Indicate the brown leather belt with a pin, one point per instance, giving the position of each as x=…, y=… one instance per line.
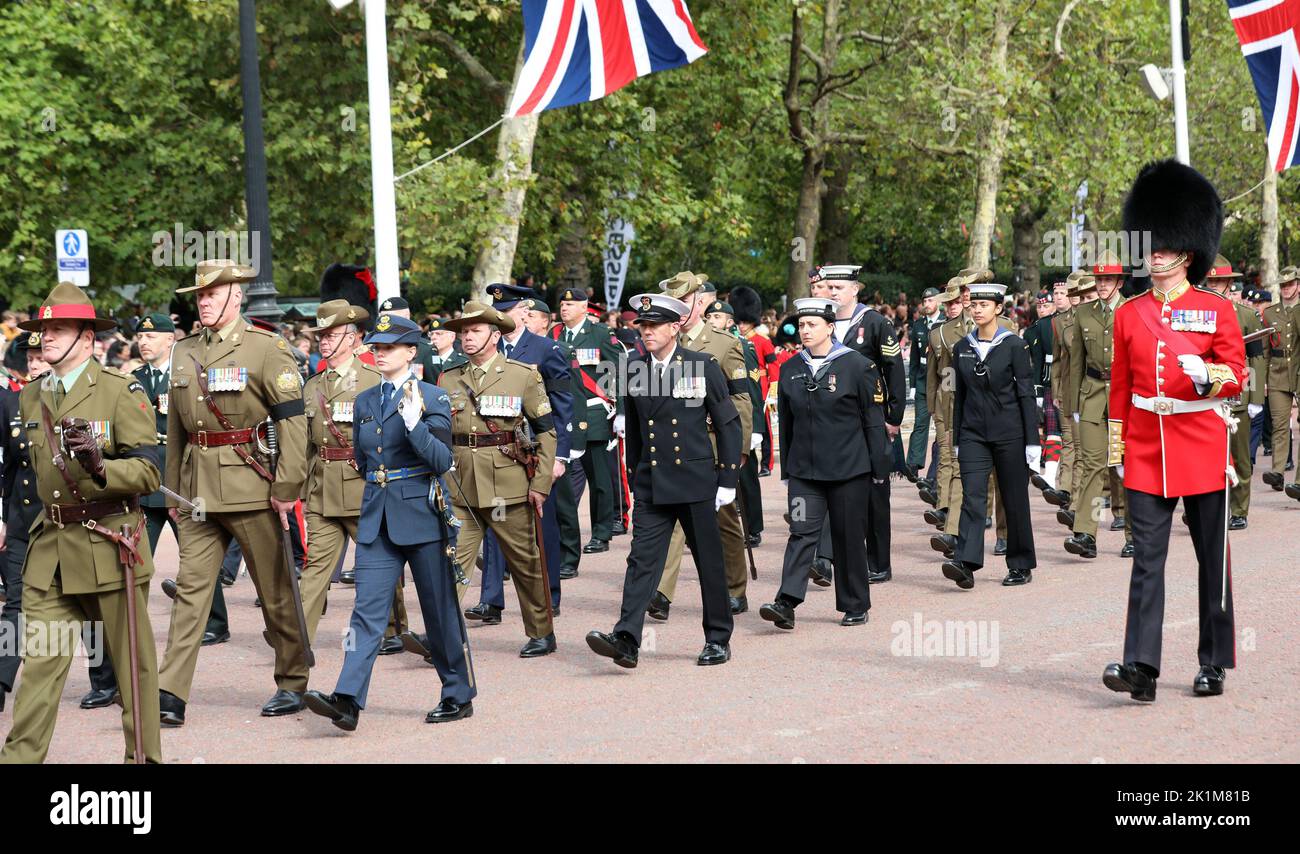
x=482, y=440
x=214, y=438
x=1098, y=375
x=337, y=454
x=70, y=514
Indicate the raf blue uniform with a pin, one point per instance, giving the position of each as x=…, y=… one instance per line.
x=397, y=526
x=553, y=365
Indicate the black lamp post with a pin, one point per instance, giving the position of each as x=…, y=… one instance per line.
x=261, y=293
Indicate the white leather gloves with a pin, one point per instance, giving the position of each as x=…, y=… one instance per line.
x=620, y=425
x=755, y=441
x=1194, y=367
x=411, y=406
x=1254, y=409
x=725, y=497
x=1033, y=456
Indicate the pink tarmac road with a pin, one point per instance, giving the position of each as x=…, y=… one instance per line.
x=938, y=674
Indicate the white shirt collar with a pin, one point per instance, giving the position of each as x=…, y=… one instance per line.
x=667, y=359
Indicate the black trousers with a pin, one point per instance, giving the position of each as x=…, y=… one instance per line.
x=595, y=468
x=834, y=506
x=875, y=507
x=652, y=528
x=976, y=458
x=566, y=516
x=11, y=566
x=1151, y=516
x=751, y=494
x=622, y=500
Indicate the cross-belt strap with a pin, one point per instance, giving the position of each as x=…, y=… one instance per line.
x=344, y=444
x=201, y=375
x=128, y=547
x=56, y=448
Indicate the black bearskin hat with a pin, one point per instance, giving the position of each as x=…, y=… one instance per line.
x=746, y=303
x=786, y=332
x=1181, y=211
x=350, y=282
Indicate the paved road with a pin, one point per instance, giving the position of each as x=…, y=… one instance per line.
x=1027, y=688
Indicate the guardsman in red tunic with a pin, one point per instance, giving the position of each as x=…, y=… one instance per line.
x=1178, y=357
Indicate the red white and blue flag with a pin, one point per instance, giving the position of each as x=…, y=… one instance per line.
x=581, y=50
x=1268, y=31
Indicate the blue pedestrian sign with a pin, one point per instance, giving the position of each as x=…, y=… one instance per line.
x=73, y=252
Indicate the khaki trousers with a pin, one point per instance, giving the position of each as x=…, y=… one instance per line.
x=513, y=526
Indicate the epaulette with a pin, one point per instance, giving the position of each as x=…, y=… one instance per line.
x=1206, y=290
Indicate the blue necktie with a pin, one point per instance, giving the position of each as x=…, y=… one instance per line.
x=386, y=396
x=509, y=348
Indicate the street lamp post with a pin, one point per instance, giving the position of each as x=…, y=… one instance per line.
x=261, y=293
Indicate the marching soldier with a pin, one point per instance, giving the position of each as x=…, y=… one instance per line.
x=725, y=349
x=1178, y=353
x=938, y=400
x=680, y=396
x=722, y=317
x=94, y=452
x=829, y=396
x=1222, y=280
x=232, y=383
x=1064, y=494
x=928, y=317
x=598, y=355
x=499, y=488
x=1039, y=339
x=445, y=355
x=1089, y=367
x=1283, y=367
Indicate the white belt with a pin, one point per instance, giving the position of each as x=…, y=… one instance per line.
x=1175, y=406
x=1048, y=357
x=922, y=360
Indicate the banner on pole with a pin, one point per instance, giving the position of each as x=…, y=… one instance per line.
x=619, y=235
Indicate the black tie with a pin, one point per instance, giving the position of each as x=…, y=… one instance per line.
x=509, y=348
x=386, y=393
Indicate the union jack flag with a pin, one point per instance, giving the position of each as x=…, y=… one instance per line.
x=581, y=50
x=1267, y=31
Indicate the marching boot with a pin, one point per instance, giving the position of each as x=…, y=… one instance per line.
x=738, y=605
x=879, y=576
x=1000, y=546
x=955, y=570
x=390, y=646
x=1066, y=518
x=537, y=647
x=339, y=708
x=489, y=615
x=1132, y=679
x=1273, y=479
x=1209, y=681
x=945, y=543
x=1127, y=551
x=937, y=518
x=171, y=709
x=1083, y=545
x=1293, y=490
x=714, y=653
x=617, y=645
x=659, y=607
x=1016, y=577
x=283, y=703
x=780, y=612
x=821, y=572
x=1237, y=523
x=449, y=711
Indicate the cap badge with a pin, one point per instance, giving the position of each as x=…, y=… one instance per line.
x=47, y=312
x=147, y=324
x=645, y=303
x=384, y=324
x=388, y=305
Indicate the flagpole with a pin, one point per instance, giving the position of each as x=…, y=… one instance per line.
x=1181, y=148
x=381, y=152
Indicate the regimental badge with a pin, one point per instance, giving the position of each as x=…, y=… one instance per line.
x=587, y=355
x=646, y=302
x=545, y=407
x=47, y=312
x=227, y=379
x=387, y=306
x=162, y=403
x=286, y=380
x=738, y=374
x=384, y=323
x=692, y=388
x=568, y=295
x=279, y=342
x=500, y=405
x=342, y=411
x=1193, y=320
x=147, y=323
x=830, y=383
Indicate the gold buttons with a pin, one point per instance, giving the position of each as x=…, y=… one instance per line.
x=25, y=501
x=652, y=449
x=674, y=420
x=654, y=462
x=652, y=435
x=679, y=462
x=26, y=482
x=379, y=450
x=200, y=423
x=675, y=448
x=674, y=435
x=56, y=493
x=651, y=422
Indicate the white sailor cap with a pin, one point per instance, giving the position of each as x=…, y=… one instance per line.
x=988, y=290
x=659, y=308
x=816, y=307
x=826, y=272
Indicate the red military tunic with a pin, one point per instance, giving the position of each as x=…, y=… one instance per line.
x=1179, y=453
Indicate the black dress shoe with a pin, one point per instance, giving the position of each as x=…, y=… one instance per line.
x=348, y=576
x=659, y=607
x=416, y=643
x=449, y=711
x=879, y=576
x=619, y=529
x=1040, y=482
x=488, y=615
x=1293, y=491
x=1186, y=521
x=1059, y=497
x=714, y=653
x=956, y=570
x=928, y=484
x=1016, y=577
x=213, y=638
x=555, y=610
x=537, y=647
x=1066, y=518
x=930, y=497
x=937, y=518
x=169, y=588
x=778, y=612
x=567, y=572
x=1083, y=545
x=595, y=546
x=1274, y=479
x=390, y=646
x=1209, y=681
x=339, y=708
x=616, y=646
x=765, y=472
x=99, y=698
x=988, y=522
x=945, y=543
x=1130, y=679
x=1117, y=524
x=282, y=702
x=822, y=572
x=171, y=709
x=1237, y=523
x=737, y=604
x=1127, y=551
x=1000, y=546
x=227, y=580
x=911, y=473
x=753, y=541
x=854, y=618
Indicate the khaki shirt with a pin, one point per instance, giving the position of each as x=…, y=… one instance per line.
x=1062, y=358
x=1091, y=347
x=333, y=487
x=123, y=420
x=729, y=353
x=251, y=373
x=1257, y=367
x=1282, y=349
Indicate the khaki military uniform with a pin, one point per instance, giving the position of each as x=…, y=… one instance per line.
x=332, y=491
x=72, y=574
x=727, y=350
x=251, y=377
x=1089, y=389
x=1253, y=392
x=1063, y=343
x=1282, y=368
x=493, y=488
